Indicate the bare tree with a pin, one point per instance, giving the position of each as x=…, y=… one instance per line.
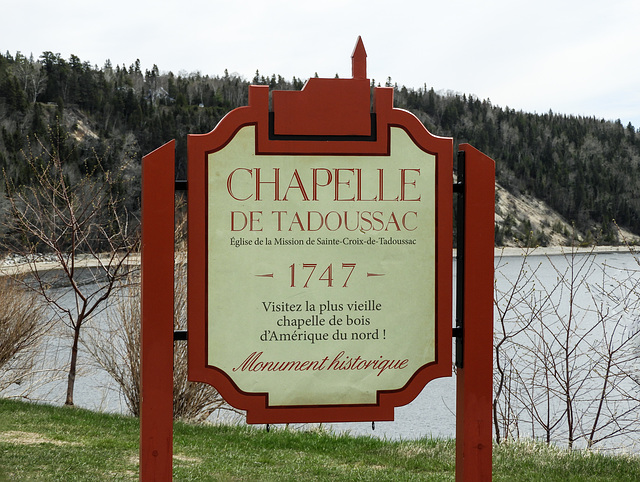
x=614, y=355
x=32, y=75
x=22, y=326
x=116, y=348
x=507, y=303
x=82, y=228
x=567, y=346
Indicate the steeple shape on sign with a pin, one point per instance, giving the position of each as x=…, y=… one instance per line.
x=359, y=61
x=327, y=107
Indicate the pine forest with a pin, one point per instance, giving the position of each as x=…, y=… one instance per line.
x=587, y=170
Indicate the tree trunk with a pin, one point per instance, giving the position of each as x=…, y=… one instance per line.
x=72, y=366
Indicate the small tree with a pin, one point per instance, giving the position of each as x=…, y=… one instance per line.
x=566, y=351
x=31, y=74
x=22, y=326
x=116, y=348
x=79, y=221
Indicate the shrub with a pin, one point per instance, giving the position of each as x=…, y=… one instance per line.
x=21, y=329
x=116, y=348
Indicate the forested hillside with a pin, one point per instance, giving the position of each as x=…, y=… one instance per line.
x=586, y=169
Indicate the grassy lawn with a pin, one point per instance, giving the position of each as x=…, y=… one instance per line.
x=40, y=442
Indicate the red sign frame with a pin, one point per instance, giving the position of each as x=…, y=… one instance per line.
x=328, y=117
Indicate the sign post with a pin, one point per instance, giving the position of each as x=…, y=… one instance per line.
x=320, y=266
x=156, y=333
x=474, y=391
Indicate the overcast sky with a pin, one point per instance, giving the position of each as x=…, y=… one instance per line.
x=577, y=57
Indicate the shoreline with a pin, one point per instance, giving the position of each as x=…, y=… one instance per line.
x=559, y=250
x=13, y=268
x=18, y=267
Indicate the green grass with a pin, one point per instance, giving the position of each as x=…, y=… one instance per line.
x=39, y=442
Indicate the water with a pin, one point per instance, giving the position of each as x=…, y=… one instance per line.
x=580, y=314
x=609, y=276
x=432, y=413
x=94, y=387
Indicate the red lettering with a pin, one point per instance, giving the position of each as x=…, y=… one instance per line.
x=275, y=182
x=234, y=226
x=339, y=183
x=230, y=184
x=298, y=185
x=404, y=183
x=316, y=184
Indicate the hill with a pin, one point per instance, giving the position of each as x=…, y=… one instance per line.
x=578, y=176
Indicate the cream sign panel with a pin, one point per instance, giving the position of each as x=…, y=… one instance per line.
x=313, y=263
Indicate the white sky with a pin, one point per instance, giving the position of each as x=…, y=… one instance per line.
x=577, y=57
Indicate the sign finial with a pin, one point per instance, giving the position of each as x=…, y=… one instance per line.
x=359, y=61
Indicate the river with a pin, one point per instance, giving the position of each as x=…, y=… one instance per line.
x=432, y=413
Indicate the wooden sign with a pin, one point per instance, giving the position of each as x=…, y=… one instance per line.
x=320, y=253
x=320, y=259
